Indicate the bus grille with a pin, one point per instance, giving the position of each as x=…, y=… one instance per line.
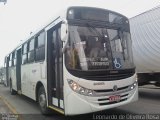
x=104, y=98
x=111, y=90
x=107, y=102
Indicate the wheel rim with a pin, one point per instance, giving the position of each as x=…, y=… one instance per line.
x=42, y=100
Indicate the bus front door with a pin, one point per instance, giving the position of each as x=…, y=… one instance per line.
x=7, y=82
x=54, y=69
x=18, y=70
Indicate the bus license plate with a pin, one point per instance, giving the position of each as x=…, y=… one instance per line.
x=114, y=98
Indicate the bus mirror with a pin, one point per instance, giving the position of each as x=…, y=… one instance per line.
x=64, y=31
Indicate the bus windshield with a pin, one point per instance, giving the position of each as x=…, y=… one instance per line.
x=95, y=48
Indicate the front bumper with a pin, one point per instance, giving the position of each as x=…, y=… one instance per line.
x=80, y=104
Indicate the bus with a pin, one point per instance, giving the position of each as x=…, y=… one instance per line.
x=79, y=63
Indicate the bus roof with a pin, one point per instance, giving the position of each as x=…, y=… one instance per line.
x=61, y=15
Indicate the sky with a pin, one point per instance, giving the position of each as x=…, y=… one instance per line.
x=20, y=17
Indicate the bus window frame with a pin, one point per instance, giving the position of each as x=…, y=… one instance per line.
x=41, y=47
x=31, y=50
x=24, y=54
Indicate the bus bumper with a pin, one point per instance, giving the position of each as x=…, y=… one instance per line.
x=79, y=104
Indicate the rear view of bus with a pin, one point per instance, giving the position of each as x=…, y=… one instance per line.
x=98, y=68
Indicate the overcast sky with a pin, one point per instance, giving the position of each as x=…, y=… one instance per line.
x=20, y=17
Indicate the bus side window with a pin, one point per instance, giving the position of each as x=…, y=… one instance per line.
x=31, y=52
x=40, y=47
x=24, y=54
x=14, y=58
x=10, y=60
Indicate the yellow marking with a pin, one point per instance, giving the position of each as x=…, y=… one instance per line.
x=56, y=109
x=13, y=110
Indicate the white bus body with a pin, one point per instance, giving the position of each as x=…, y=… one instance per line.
x=145, y=36
x=74, y=83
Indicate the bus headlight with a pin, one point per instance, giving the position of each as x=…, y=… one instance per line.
x=79, y=89
x=133, y=85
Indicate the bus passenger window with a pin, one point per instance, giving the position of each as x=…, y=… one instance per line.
x=31, y=51
x=24, y=54
x=10, y=60
x=40, y=47
x=14, y=58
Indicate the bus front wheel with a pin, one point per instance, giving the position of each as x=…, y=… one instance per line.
x=42, y=101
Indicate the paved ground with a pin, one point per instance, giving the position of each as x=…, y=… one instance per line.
x=3, y=107
x=148, y=104
x=6, y=111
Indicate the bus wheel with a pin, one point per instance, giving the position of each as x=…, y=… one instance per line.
x=43, y=101
x=13, y=92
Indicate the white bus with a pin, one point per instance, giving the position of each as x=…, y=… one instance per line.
x=79, y=63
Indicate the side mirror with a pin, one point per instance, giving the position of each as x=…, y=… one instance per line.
x=64, y=31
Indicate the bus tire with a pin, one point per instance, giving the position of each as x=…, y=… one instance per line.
x=13, y=92
x=42, y=101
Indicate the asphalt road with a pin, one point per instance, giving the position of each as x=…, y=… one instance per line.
x=148, y=104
